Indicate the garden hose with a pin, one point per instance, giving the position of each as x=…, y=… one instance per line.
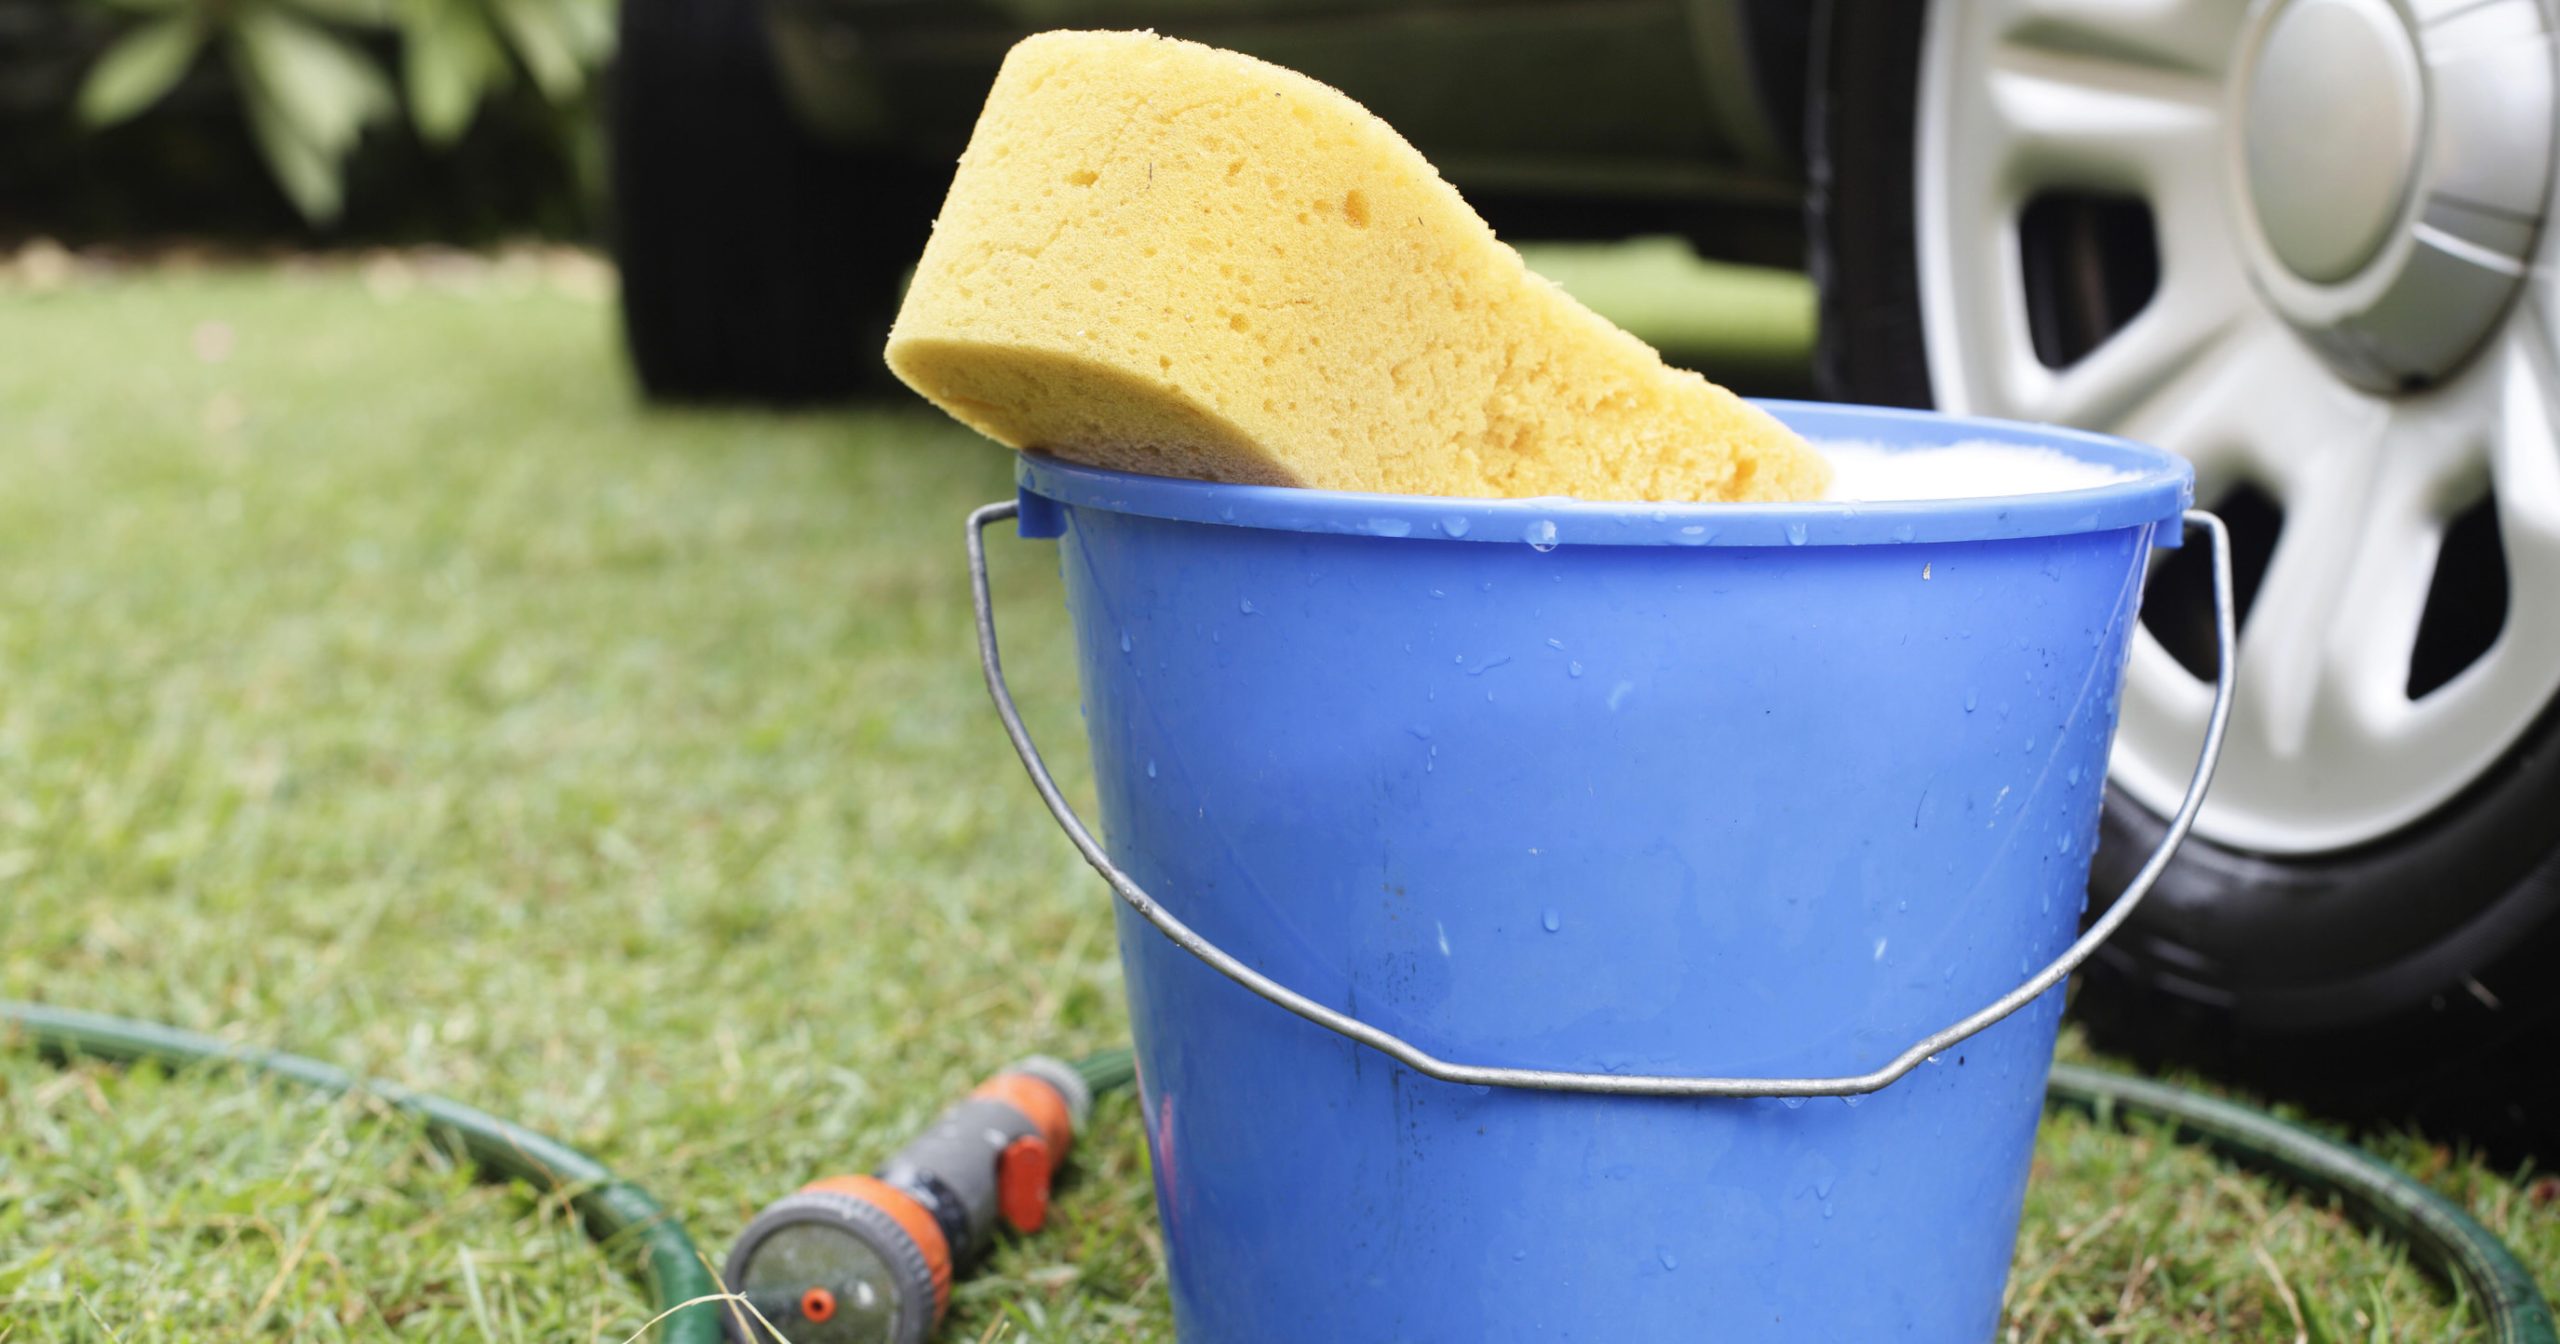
x=611, y=1208
x=2380, y=1197
x=2373, y=1193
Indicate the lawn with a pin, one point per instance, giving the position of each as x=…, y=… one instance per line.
x=378, y=681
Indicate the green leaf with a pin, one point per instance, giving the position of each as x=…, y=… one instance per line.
x=320, y=85
x=139, y=69
x=549, y=42
x=591, y=27
x=308, y=174
x=450, y=60
x=359, y=13
x=309, y=94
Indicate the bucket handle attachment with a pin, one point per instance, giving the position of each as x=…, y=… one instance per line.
x=1615, y=1084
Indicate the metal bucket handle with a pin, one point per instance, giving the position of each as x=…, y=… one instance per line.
x=1621, y=1084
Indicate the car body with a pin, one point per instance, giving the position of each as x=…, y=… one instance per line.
x=1572, y=118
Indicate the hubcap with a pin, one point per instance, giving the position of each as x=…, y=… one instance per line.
x=2353, y=318
x=2331, y=126
x=2393, y=222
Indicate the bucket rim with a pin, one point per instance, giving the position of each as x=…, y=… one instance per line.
x=2161, y=486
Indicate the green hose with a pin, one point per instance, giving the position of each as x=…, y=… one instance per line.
x=1108, y=1070
x=610, y=1207
x=2374, y=1193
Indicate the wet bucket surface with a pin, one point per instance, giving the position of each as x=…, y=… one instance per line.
x=1686, y=789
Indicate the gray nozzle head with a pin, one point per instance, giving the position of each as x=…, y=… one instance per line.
x=1063, y=1076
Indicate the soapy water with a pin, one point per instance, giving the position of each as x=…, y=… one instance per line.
x=1870, y=473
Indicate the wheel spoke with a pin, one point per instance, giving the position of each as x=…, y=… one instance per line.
x=2190, y=37
x=2068, y=119
x=2519, y=385
x=2516, y=677
x=2215, y=412
x=2068, y=96
x=2526, y=452
x=2186, y=324
x=2326, y=477
x=2431, y=446
x=2074, y=100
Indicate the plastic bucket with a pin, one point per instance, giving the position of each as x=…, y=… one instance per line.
x=1617, y=790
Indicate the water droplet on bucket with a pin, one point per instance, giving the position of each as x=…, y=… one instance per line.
x=1663, y=1254
x=1541, y=536
x=1391, y=527
x=1246, y=606
x=2072, y=775
x=1970, y=700
x=1151, y=767
x=2031, y=744
x=1902, y=532
x=1573, y=669
x=1852, y=1103
x=1556, y=644
x=1695, y=534
x=1125, y=643
x=1795, y=534
x=1454, y=525
x=1792, y=1103
x=2062, y=842
x=1552, y=920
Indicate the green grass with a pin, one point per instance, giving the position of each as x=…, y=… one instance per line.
x=378, y=682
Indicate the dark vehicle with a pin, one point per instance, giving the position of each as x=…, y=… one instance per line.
x=2299, y=241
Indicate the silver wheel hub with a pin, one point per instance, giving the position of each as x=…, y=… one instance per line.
x=2334, y=107
x=2392, y=223
x=2356, y=316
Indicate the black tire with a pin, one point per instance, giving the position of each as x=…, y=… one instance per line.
x=758, y=264
x=2416, y=977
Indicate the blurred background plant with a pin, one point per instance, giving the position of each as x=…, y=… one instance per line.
x=364, y=118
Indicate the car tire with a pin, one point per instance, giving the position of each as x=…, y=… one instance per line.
x=758, y=263
x=2411, y=976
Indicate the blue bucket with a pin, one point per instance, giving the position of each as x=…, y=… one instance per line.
x=1595, y=921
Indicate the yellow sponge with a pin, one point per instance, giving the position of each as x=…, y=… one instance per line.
x=1167, y=258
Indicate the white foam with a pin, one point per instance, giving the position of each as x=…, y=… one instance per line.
x=1872, y=473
